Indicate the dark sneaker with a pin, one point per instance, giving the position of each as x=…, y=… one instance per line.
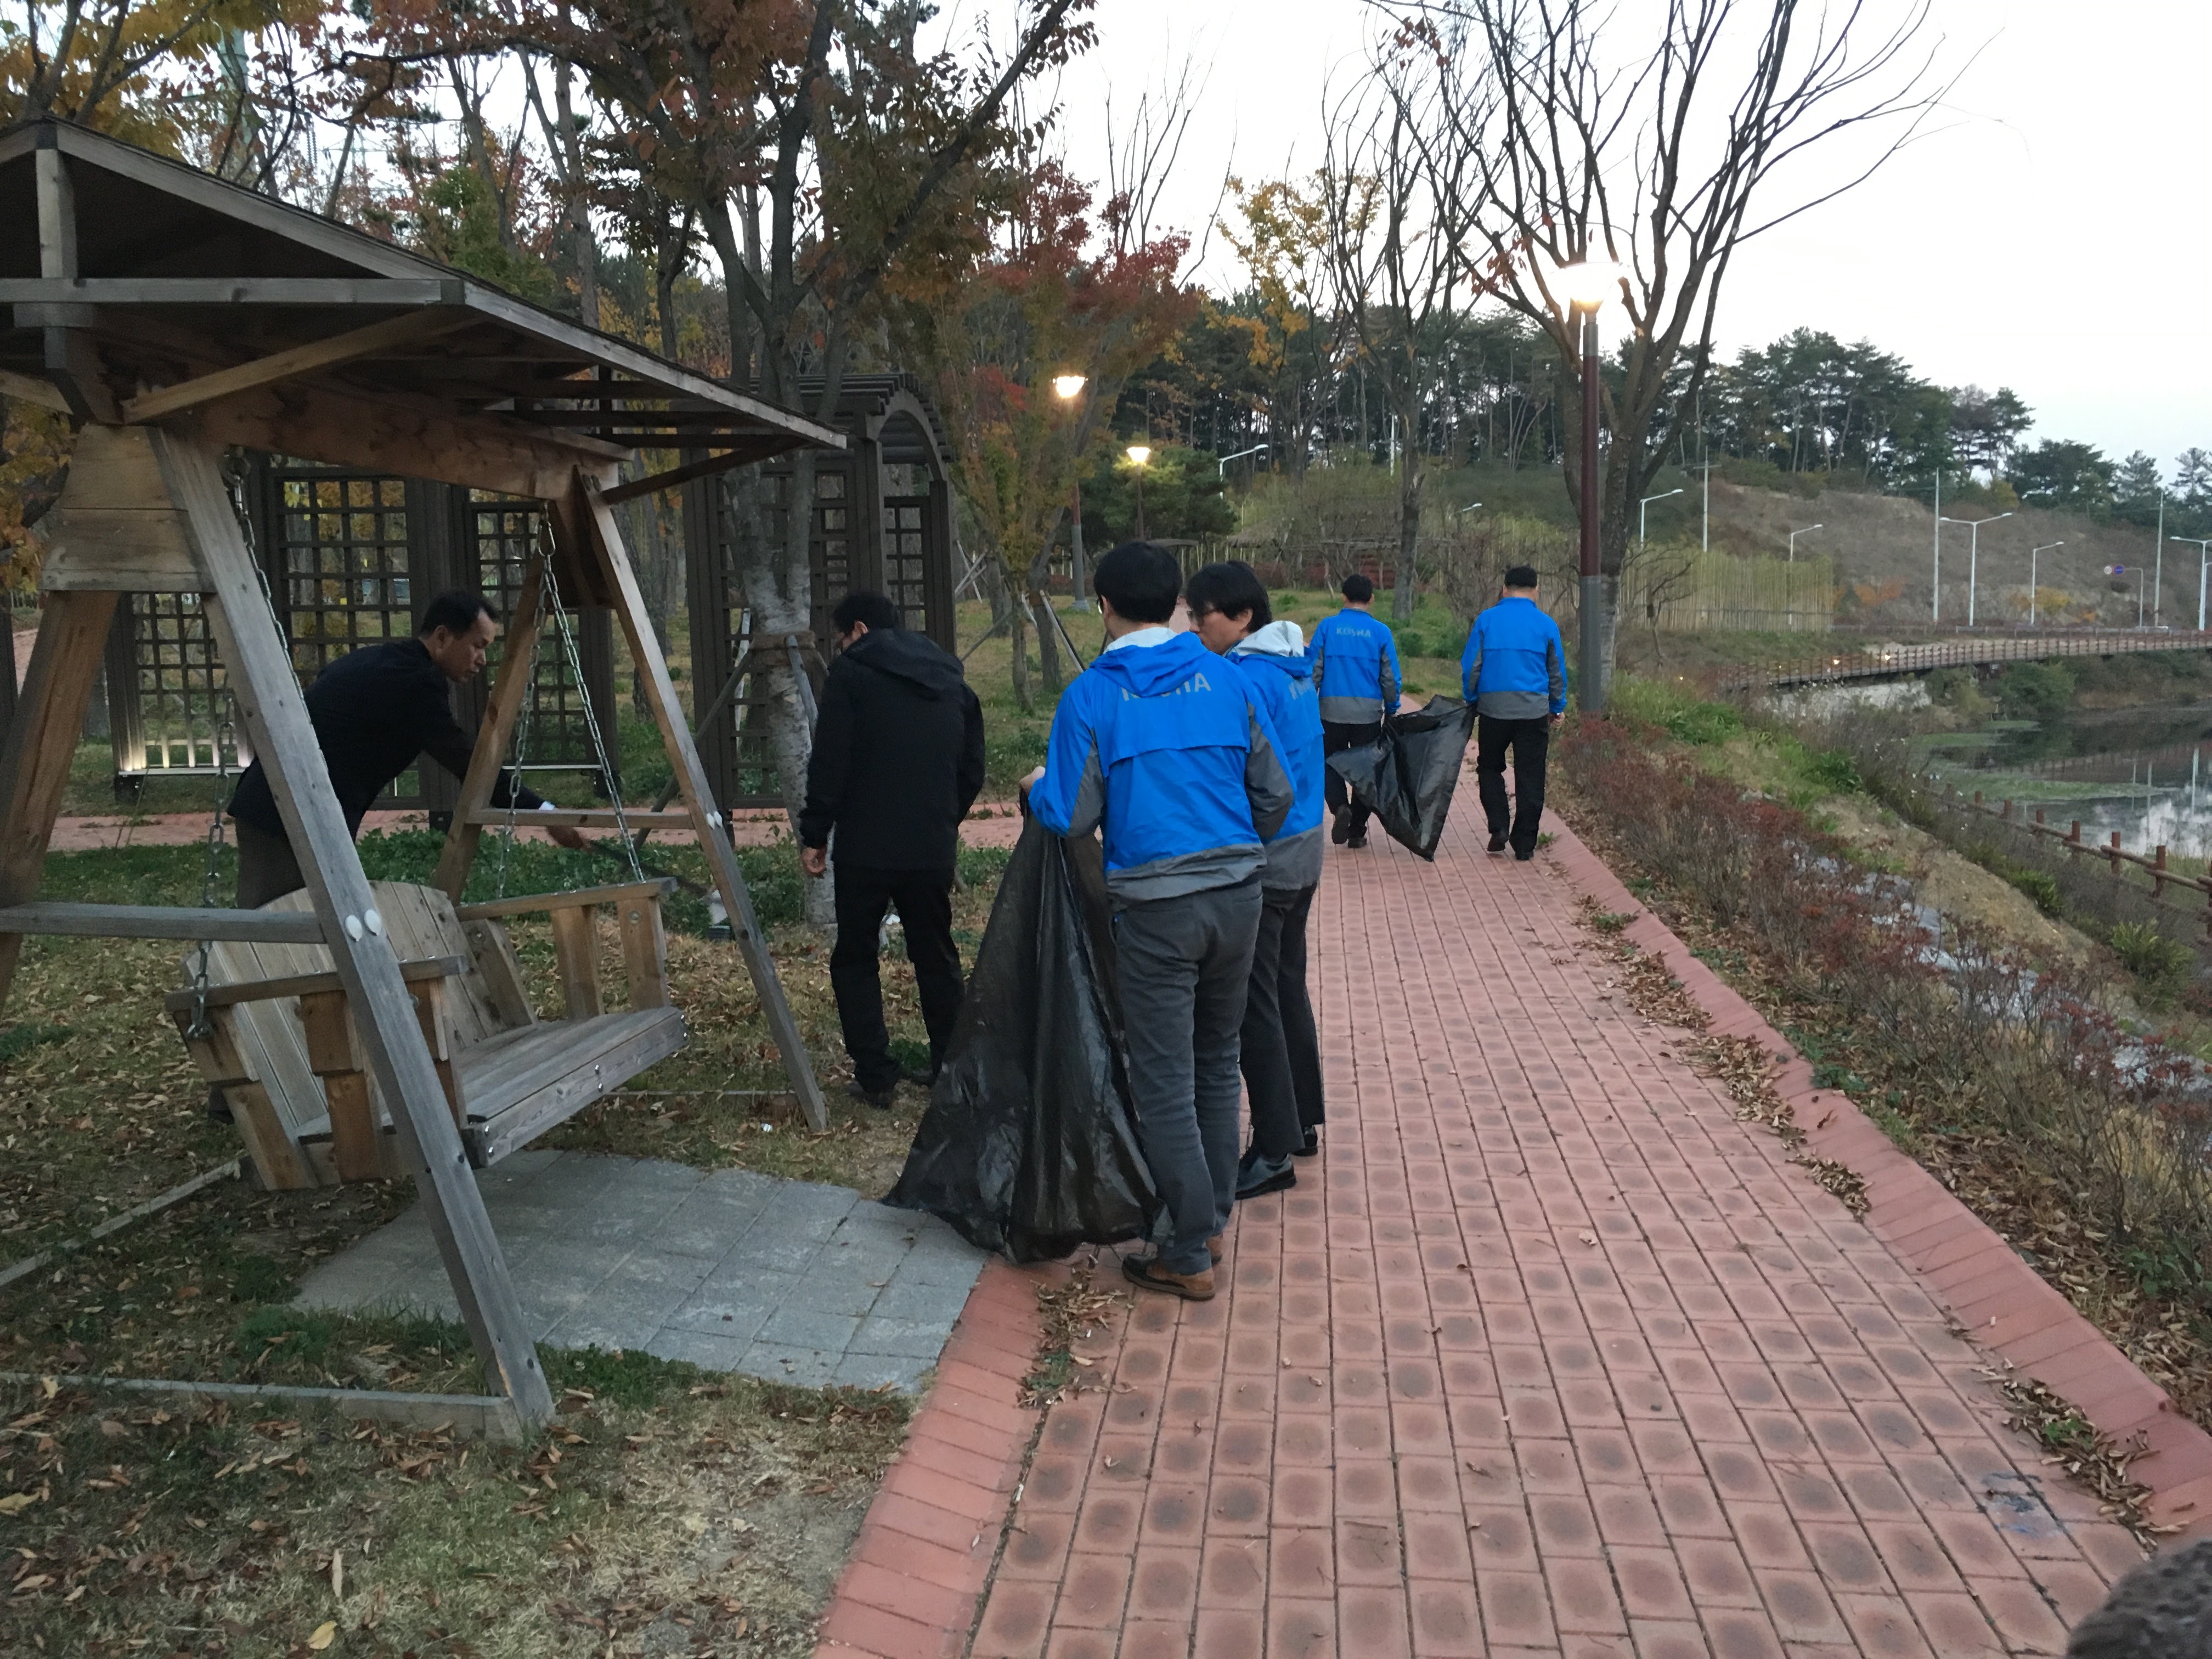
x=1339, y=830
x=1256, y=1175
x=1522, y=856
x=1312, y=1145
x=881, y=1099
x=1497, y=843
x=1146, y=1270
x=1356, y=842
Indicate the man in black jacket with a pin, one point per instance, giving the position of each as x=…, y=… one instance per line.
x=374, y=711
x=898, y=758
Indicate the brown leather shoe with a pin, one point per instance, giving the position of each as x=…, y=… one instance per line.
x=1213, y=1247
x=1146, y=1270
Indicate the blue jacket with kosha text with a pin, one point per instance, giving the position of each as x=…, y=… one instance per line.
x=1165, y=745
x=1355, y=667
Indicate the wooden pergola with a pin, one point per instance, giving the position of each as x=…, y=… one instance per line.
x=174, y=316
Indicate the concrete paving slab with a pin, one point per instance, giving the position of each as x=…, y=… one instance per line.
x=729, y=1269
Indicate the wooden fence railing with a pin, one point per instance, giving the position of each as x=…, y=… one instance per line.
x=2118, y=857
x=1885, y=661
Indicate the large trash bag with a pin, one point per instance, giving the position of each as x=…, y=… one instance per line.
x=1030, y=1143
x=1406, y=775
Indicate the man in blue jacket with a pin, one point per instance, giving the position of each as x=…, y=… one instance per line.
x=1514, y=670
x=1164, y=747
x=1355, y=675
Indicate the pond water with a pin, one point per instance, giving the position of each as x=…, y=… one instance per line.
x=2144, y=772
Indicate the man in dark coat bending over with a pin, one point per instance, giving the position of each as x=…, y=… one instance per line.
x=898, y=759
x=374, y=711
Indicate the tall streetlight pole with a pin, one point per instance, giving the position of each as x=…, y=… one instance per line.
x=1936, y=580
x=1794, y=534
x=2199, y=542
x=2032, y=554
x=1222, y=469
x=1645, y=503
x=1973, y=553
x=1138, y=454
x=1068, y=388
x=1705, y=519
x=1588, y=285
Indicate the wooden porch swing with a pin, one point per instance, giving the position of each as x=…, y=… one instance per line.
x=174, y=316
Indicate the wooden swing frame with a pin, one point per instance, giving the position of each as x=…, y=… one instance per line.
x=185, y=315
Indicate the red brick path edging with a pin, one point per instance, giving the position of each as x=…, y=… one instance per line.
x=2004, y=1305
x=910, y=1587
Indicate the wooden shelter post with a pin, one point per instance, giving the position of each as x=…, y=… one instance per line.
x=276, y=716
x=39, y=743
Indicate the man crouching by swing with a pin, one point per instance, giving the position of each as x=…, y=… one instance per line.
x=374, y=711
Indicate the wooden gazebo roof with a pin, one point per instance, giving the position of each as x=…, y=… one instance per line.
x=152, y=288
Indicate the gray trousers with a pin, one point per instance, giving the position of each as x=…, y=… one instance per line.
x=266, y=868
x=1184, y=965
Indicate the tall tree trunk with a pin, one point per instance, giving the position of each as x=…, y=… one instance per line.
x=1405, y=594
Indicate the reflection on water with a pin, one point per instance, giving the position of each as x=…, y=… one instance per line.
x=2144, y=772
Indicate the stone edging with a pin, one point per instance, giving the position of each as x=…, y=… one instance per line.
x=2004, y=1304
x=913, y=1584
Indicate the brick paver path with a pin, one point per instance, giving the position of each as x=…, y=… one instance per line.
x=1548, y=1354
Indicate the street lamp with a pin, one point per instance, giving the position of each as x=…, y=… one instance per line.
x=1222, y=470
x=1973, y=549
x=1138, y=454
x=2200, y=543
x=2032, y=554
x=1068, y=388
x=1794, y=534
x=1645, y=503
x=1585, y=285
x=1468, y=508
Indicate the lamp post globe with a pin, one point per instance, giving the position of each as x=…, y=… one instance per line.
x=1138, y=454
x=1067, y=385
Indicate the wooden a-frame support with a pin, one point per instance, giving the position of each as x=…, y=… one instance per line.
x=211, y=556
x=590, y=545
x=33, y=769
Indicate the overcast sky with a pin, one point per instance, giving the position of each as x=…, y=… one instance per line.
x=2052, y=235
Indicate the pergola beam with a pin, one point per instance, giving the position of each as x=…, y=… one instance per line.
x=290, y=365
x=412, y=292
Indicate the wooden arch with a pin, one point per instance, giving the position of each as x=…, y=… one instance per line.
x=174, y=315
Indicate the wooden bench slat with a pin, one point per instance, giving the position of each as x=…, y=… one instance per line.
x=306, y=985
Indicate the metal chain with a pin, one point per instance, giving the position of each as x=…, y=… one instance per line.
x=572, y=661
x=608, y=773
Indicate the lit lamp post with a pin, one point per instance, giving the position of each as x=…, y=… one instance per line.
x=2032, y=554
x=2200, y=544
x=1973, y=549
x=1586, y=286
x=1068, y=388
x=1646, y=503
x=1138, y=454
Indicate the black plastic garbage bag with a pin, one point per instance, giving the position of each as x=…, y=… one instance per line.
x=1030, y=1143
x=1406, y=775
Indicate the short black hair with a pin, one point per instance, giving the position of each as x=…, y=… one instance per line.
x=1232, y=588
x=455, y=612
x=862, y=606
x=1140, y=580
x=1520, y=575
x=1357, y=588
